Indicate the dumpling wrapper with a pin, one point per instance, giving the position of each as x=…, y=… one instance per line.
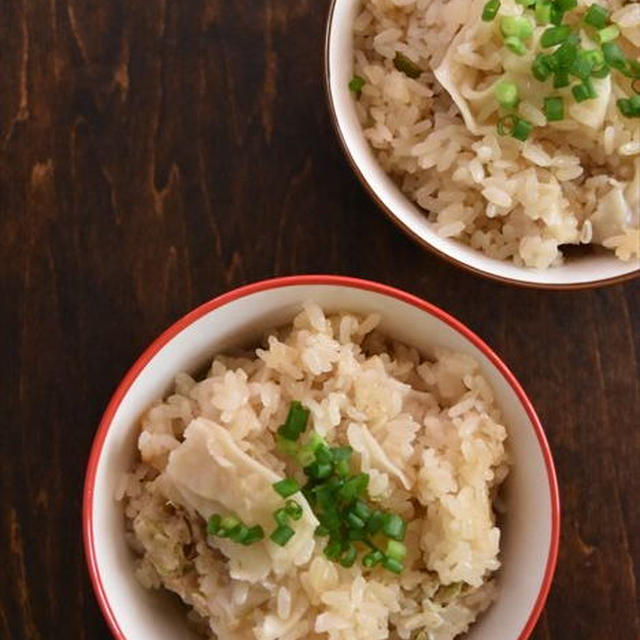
x=372, y=454
x=212, y=474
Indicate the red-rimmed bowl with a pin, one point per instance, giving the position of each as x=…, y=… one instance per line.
x=594, y=268
x=532, y=522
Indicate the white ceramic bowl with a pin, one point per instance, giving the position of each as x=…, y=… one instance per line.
x=531, y=527
x=592, y=270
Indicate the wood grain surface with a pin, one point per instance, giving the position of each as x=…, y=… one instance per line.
x=157, y=153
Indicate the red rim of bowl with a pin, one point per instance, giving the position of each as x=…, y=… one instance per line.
x=274, y=283
x=391, y=215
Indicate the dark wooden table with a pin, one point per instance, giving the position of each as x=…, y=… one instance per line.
x=157, y=153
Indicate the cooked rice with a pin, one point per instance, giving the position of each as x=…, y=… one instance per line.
x=570, y=183
x=428, y=432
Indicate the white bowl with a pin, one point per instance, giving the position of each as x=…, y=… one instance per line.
x=596, y=269
x=531, y=526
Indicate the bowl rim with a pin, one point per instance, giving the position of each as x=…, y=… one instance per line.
x=287, y=281
x=333, y=115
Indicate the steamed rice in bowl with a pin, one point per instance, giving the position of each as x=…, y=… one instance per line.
x=424, y=427
x=426, y=73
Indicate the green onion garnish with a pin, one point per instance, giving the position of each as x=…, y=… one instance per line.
x=333, y=549
x=406, y=65
x=515, y=44
x=373, y=558
x=356, y=83
x=543, y=12
x=597, y=16
x=507, y=94
x=555, y=35
x=581, y=67
x=362, y=510
x=522, y=130
x=394, y=526
x=282, y=535
x=354, y=521
x=554, y=109
x=507, y=124
x=396, y=550
x=560, y=79
x=254, y=535
x=348, y=558
x=286, y=487
x=557, y=15
x=584, y=91
x=390, y=564
x=540, y=69
x=227, y=525
x=296, y=421
x=353, y=487
x=281, y=516
x=213, y=524
x=321, y=531
x=526, y=3
x=375, y=522
x=566, y=5
x=516, y=27
x=614, y=56
x=566, y=54
x=490, y=10
x=629, y=107
x=608, y=34
x=293, y=509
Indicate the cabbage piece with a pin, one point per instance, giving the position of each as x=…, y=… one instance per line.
x=593, y=112
x=212, y=474
x=612, y=216
x=373, y=455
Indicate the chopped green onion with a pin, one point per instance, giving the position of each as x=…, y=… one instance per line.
x=601, y=72
x=227, y=525
x=286, y=446
x=321, y=531
x=293, y=509
x=213, y=524
x=356, y=83
x=390, y=564
x=560, y=79
x=490, y=10
x=296, y=421
x=281, y=516
x=614, y=56
x=353, y=487
x=566, y=54
x=254, y=535
x=557, y=15
x=554, y=109
x=581, y=67
x=373, y=558
x=522, y=130
x=348, y=558
x=516, y=27
x=342, y=460
x=566, y=5
x=362, y=510
x=526, y=3
x=597, y=16
x=633, y=68
x=406, y=65
x=543, y=12
x=624, y=105
x=333, y=549
x=584, y=91
x=608, y=34
x=239, y=533
x=375, y=522
x=394, y=526
x=507, y=94
x=286, y=487
x=555, y=35
x=282, y=535
x=540, y=69
x=354, y=521
x=319, y=470
x=396, y=550
x=634, y=101
x=323, y=454
x=515, y=44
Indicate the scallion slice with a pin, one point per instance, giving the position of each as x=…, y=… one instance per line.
x=584, y=91
x=608, y=34
x=286, y=487
x=561, y=79
x=296, y=421
x=555, y=35
x=543, y=12
x=554, y=108
x=254, y=534
x=614, y=56
x=490, y=10
x=293, y=509
x=282, y=535
x=507, y=94
x=518, y=27
x=515, y=45
x=348, y=558
x=373, y=558
x=333, y=549
x=394, y=527
x=406, y=65
x=540, y=69
x=522, y=130
x=597, y=16
x=356, y=83
x=396, y=550
x=566, y=5
x=390, y=564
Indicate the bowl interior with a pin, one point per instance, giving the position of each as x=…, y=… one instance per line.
x=530, y=525
x=596, y=267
